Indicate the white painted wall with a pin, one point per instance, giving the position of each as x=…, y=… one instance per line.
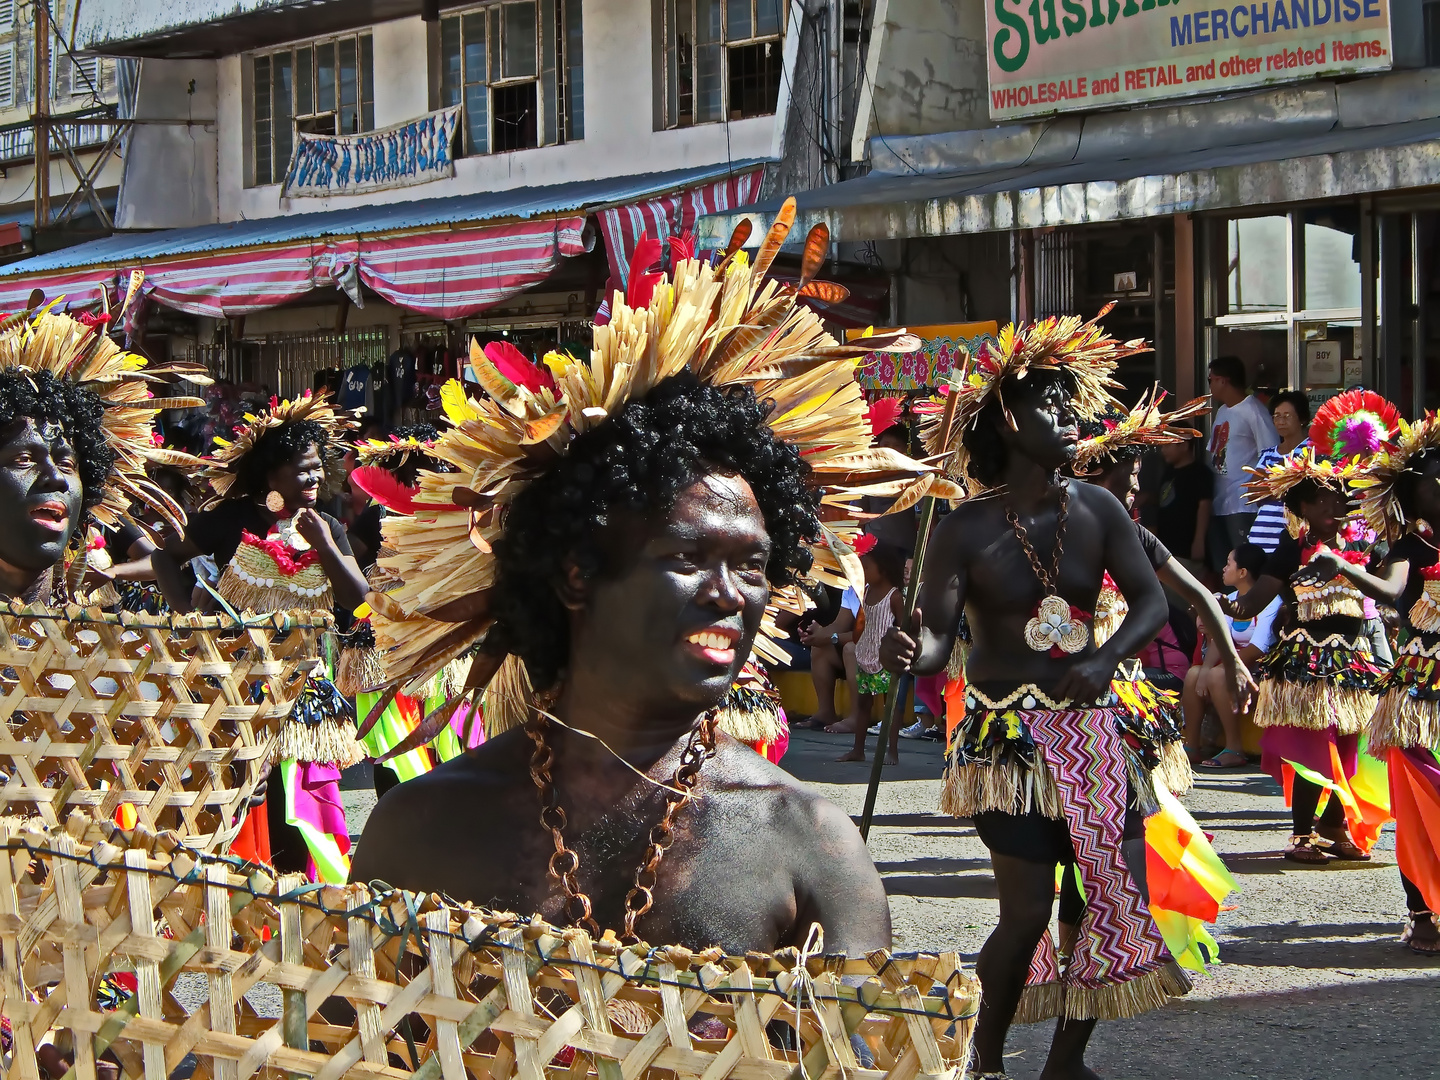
x=619, y=136
x=170, y=168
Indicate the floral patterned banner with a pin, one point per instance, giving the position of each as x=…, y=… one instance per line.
x=928, y=366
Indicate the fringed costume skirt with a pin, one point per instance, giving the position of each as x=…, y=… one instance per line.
x=1405, y=734
x=1316, y=696
x=1043, y=761
x=1153, y=728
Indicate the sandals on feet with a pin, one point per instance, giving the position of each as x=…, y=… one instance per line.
x=1226, y=759
x=1305, y=849
x=1341, y=846
x=1427, y=948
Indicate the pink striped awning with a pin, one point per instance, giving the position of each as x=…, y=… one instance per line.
x=670, y=215
x=446, y=274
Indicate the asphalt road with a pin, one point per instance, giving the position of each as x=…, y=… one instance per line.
x=1312, y=986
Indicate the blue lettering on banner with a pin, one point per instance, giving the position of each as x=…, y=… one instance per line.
x=1300, y=13
x=1236, y=28
x=1202, y=26
x=1372, y=9
x=1181, y=32
x=1219, y=24
x=1352, y=10
x=1260, y=19
x=415, y=152
x=1278, y=19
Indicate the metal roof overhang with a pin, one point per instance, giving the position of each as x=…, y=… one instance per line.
x=1338, y=163
x=212, y=28
x=388, y=219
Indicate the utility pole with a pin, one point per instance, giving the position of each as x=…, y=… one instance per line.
x=41, y=117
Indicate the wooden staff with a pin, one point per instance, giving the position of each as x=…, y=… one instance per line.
x=901, y=688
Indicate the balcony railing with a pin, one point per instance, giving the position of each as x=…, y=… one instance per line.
x=19, y=144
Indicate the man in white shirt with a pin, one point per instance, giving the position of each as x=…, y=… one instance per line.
x=1241, y=430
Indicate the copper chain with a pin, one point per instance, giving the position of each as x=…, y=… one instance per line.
x=1048, y=581
x=565, y=863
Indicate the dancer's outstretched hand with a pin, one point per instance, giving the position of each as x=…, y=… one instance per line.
x=898, y=649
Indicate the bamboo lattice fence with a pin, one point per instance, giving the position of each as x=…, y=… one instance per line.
x=170, y=715
x=392, y=984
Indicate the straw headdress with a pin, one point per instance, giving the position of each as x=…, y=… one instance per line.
x=1274, y=483
x=725, y=323
x=1144, y=425
x=1376, y=482
x=1058, y=343
x=224, y=463
x=79, y=351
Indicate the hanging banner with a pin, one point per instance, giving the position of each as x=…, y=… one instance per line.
x=414, y=152
x=1050, y=56
x=930, y=365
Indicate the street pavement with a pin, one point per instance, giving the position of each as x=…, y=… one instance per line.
x=1312, y=986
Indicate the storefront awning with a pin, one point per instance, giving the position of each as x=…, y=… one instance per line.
x=446, y=258
x=1322, y=141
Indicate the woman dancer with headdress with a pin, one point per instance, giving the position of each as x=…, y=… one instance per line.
x=279, y=553
x=1400, y=497
x=76, y=416
x=1320, y=680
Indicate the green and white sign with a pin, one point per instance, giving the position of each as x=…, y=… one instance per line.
x=1049, y=56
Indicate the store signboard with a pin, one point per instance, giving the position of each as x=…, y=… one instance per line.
x=1049, y=56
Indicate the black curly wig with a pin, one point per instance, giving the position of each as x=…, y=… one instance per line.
x=277, y=447
x=1416, y=469
x=640, y=460
x=408, y=471
x=982, y=438
x=1306, y=491
x=41, y=396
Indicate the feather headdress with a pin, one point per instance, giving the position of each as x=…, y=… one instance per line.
x=1274, y=483
x=79, y=351
x=1354, y=424
x=1059, y=343
x=1144, y=425
x=224, y=463
x=1375, y=482
x=725, y=323
x=392, y=452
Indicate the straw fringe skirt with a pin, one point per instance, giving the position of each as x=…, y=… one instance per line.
x=1318, y=684
x=1408, y=713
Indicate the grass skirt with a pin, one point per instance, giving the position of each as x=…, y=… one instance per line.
x=1408, y=713
x=993, y=763
x=321, y=728
x=1153, y=728
x=1318, y=685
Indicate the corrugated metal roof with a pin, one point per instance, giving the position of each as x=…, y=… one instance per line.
x=516, y=204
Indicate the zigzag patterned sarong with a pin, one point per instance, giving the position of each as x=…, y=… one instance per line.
x=1119, y=966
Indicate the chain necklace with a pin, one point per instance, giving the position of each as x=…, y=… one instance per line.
x=565, y=863
x=1051, y=625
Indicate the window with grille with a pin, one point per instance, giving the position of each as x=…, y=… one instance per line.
x=79, y=76
x=320, y=87
x=723, y=59
x=7, y=76
x=517, y=68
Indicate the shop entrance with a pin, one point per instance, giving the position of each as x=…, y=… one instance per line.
x=1284, y=294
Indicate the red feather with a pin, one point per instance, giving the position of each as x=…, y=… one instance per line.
x=1342, y=426
x=381, y=486
x=865, y=543
x=516, y=366
x=642, y=283
x=884, y=413
x=682, y=247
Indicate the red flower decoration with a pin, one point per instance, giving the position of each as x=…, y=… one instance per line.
x=288, y=562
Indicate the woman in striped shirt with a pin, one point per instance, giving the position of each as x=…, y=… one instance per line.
x=1291, y=413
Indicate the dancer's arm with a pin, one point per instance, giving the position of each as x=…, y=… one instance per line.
x=1384, y=587
x=1174, y=574
x=925, y=645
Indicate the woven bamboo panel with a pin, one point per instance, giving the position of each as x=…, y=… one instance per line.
x=399, y=985
x=172, y=715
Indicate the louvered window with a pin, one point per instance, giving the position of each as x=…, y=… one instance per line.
x=7, y=76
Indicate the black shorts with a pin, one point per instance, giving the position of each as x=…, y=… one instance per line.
x=1039, y=839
